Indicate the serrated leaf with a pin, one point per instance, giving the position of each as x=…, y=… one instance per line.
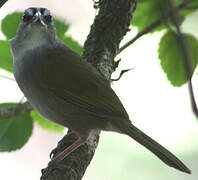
x=172, y=58
x=5, y=56
x=46, y=124
x=10, y=24
x=61, y=27
x=74, y=45
x=14, y=131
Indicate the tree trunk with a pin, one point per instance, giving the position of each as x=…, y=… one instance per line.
x=110, y=25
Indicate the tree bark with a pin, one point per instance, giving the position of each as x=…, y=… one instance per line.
x=102, y=44
x=2, y=2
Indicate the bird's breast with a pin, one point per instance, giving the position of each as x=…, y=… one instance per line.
x=52, y=107
x=26, y=73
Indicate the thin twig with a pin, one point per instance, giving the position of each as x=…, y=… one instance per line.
x=121, y=74
x=15, y=110
x=140, y=34
x=7, y=77
x=153, y=26
x=175, y=18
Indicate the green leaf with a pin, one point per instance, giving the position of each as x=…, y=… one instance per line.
x=46, y=124
x=148, y=12
x=5, y=56
x=172, y=58
x=187, y=11
x=74, y=45
x=10, y=24
x=14, y=131
x=61, y=27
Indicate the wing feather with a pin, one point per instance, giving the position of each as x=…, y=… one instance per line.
x=76, y=81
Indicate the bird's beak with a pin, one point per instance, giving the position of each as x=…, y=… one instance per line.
x=38, y=14
x=39, y=17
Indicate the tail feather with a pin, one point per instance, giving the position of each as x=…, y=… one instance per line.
x=162, y=153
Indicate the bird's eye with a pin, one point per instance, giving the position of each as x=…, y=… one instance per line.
x=27, y=17
x=48, y=18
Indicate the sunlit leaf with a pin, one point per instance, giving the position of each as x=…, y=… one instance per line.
x=147, y=13
x=61, y=27
x=46, y=124
x=74, y=45
x=172, y=58
x=10, y=24
x=5, y=56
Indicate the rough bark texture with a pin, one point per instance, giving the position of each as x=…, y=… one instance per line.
x=100, y=48
x=108, y=29
x=2, y=2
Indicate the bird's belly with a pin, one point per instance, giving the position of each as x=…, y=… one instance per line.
x=44, y=101
x=59, y=110
x=51, y=106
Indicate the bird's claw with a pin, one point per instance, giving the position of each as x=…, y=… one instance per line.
x=68, y=137
x=52, y=153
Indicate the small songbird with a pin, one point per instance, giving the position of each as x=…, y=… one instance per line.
x=67, y=90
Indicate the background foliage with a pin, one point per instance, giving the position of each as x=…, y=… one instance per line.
x=151, y=16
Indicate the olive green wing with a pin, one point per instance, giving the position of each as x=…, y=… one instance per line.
x=73, y=79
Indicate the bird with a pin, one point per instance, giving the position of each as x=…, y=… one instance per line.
x=68, y=90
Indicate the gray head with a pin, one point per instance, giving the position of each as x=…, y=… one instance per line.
x=36, y=28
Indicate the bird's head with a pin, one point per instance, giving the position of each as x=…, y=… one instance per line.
x=35, y=29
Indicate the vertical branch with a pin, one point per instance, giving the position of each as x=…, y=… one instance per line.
x=100, y=48
x=110, y=26
x=184, y=46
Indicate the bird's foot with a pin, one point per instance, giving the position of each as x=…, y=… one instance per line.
x=71, y=136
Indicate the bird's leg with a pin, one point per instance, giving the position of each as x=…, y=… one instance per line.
x=71, y=136
x=57, y=157
x=67, y=151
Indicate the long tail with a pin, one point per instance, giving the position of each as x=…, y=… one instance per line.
x=162, y=153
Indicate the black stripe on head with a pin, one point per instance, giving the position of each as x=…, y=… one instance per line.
x=30, y=11
x=42, y=10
